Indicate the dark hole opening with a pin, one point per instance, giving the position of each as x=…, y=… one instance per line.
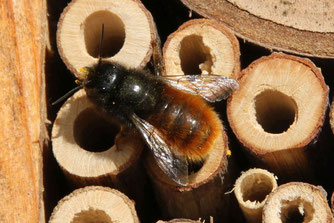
x=275, y=111
x=114, y=34
x=193, y=53
x=93, y=133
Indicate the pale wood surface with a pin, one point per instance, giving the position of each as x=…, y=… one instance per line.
x=297, y=198
x=271, y=88
x=281, y=25
x=131, y=32
x=251, y=190
x=95, y=204
x=22, y=45
x=201, y=46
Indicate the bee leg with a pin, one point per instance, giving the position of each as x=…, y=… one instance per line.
x=157, y=57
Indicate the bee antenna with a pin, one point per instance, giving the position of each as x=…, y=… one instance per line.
x=101, y=43
x=67, y=95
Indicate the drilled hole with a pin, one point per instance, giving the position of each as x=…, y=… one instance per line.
x=114, y=34
x=297, y=211
x=275, y=111
x=256, y=187
x=91, y=216
x=195, y=56
x=92, y=132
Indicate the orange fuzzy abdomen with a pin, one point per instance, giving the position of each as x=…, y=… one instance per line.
x=188, y=123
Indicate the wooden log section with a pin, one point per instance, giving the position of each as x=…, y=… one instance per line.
x=129, y=32
x=201, y=46
x=297, y=202
x=291, y=25
x=278, y=111
x=23, y=110
x=251, y=190
x=89, y=152
x=95, y=204
x=204, y=197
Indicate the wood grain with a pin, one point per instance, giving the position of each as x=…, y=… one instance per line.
x=22, y=33
x=279, y=25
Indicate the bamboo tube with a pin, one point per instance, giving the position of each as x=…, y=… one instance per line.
x=129, y=32
x=290, y=26
x=278, y=111
x=83, y=146
x=251, y=190
x=23, y=133
x=201, y=46
x=204, y=196
x=95, y=204
x=297, y=202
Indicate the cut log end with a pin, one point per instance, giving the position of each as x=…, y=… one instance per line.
x=297, y=202
x=95, y=204
x=201, y=46
x=290, y=26
x=128, y=34
x=84, y=143
x=251, y=190
x=278, y=110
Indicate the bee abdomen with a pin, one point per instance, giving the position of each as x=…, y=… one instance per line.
x=188, y=123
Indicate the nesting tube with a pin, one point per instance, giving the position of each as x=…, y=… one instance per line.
x=297, y=202
x=92, y=150
x=129, y=31
x=278, y=112
x=201, y=46
x=251, y=190
x=204, y=196
x=95, y=204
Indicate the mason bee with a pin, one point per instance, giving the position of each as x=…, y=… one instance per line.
x=170, y=112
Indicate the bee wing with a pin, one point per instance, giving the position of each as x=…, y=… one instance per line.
x=209, y=86
x=175, y=166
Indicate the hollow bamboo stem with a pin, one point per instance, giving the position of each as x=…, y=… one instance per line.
x=95, y=204
x=129, y=32
x=297, y=202
x=201, y=46
x=278, y=111
x=204, y=196
x=251, y=190
x=92, y=150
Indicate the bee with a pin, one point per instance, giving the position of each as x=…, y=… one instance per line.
x=170, y=112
